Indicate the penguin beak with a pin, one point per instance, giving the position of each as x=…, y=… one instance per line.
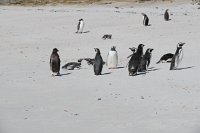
x=143, y=45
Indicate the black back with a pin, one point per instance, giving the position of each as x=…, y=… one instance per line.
x=166, y=15
x=135, y=60
x=55, y=61
x=98, y=62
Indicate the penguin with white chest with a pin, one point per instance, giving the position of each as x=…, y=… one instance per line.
x=55, y=63
x=178, y=56
x=112, y=58
x=98, y=62
x=80, y=26
x=145, y=20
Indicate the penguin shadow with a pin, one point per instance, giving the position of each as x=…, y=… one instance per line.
x=106, y=73
x=82, y=32
x=121, y=67
x=153, y=69
x=64, y=74
x=184, y=68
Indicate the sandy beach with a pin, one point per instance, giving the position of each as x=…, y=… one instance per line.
x=160, y=101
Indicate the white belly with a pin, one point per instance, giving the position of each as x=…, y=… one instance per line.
x=81, y=26
x=112, y=60
x=179, y=58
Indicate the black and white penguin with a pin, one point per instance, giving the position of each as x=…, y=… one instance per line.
x=72, y=65
x=112, y=58
x=178, y=56
x=80, y=26
x=166, y=58
x=135, y=61
x=166, y=15
x=98, y=62
x=133, y=49
x=146, y=59
x=145, y=20
x=55, y=62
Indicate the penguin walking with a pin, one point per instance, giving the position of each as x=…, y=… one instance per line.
x=80, y=26
x=146, y=59
x=133, y=49
x=178, y=56
x=55, y=63
x=166, y=15
x=112, y=58
x=145, y=20
x=166, y=58
x=135, y=61
x=98, y=62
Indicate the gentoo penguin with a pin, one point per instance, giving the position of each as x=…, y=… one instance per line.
x=178, y=56
x=166, y=58
x=98, y=62
x=166, y=15
x=145, y=60
x=135, y=60
x=55, y=62
x=72, y=65
x=112, y=58
x=145, y=20
x=133, y=49
x=80, y=26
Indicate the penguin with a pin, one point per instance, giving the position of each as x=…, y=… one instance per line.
x=98, y=62
x=72, y=65
x=166, y=58
x=178, y=56
x=112, y=58
x=55, y=63
x=107, y=36
x=166, y=15
x=146, y=59
x=80, y=26
x=135, y=61
x=145, y=20
x=133, y=49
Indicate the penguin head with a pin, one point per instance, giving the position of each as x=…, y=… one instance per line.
x=180, y=44
x=81, y=19
x=144, y=14
x=140, y=46
x=113, y=48
x=151, y=50
x=55, y=50
x=97, y=50
x=133, y=49
x=166, y=10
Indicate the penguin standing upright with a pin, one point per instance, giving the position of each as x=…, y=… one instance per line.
x=112, y=58
x=135, y=61
x=55, y=62
x=80, y=26
x=98, y=62
x=145, y=60
x=166, y=15
x=178, y=56
x=145, y=20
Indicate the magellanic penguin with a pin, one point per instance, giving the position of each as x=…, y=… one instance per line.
x=166, y=15
x=178, y=56
x=98, y=62
x=80, y=26
x=55, y=62
x=112, y=58
x=146, y=59
x=135, y=61
x=166, y=58
x=133, y=49
x=145, y=20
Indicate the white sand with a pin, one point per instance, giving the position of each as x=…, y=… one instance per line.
x=162, y=101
